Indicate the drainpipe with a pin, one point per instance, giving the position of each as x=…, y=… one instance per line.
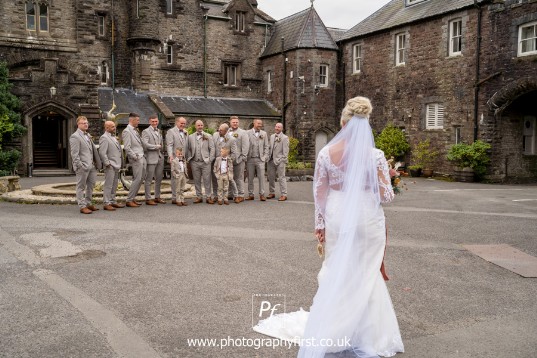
x=477, y=59
x=205, y=11
x=284, y=95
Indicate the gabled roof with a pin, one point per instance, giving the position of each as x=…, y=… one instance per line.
x=304, y=29
x=218, y=9
x=197, y=106
x=396, y=13
x=126, y=101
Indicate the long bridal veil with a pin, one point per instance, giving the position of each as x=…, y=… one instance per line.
x=347, y=311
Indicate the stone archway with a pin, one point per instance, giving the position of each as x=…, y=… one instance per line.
x=46, y=144
x=509, y=93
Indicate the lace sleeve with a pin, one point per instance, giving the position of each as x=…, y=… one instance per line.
x=320, y=189
x=385, y=183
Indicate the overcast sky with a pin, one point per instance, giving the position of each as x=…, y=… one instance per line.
x=342, y=14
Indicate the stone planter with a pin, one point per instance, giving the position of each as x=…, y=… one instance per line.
x=415, y=172
x=465, y=175
x=427, y=173
x=298, y=172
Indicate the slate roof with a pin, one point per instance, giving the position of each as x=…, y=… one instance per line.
x=304, y=29
x=395, y=14
x=217, y=7
x=336, y=34
x=184, y=105
x=127, y=101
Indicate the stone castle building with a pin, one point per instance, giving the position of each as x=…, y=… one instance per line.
x=450, y=71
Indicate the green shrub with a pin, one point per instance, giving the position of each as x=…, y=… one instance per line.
x=392, y=142
x=293, y=150
x=192, y=128
x=473, y=156
x=423, y=156
x=8, y=161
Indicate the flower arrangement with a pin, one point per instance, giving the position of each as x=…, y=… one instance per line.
x=398, y=184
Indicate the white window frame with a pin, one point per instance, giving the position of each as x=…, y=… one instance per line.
x=400, y=49
x=323, y=75
x=169, y=7
x=169, y=54
x=104, y=73
x=533, y=39
x=40, y=17
x=434, y=116
x=529, y=144
x=455, y=37
x=27, y=7
x=269, y=81
x=101, y=25
x=357, y=58
x=231, y=74
x=240, y=21
x=413, y=2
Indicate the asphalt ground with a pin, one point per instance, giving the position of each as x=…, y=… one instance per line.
x=142, y=282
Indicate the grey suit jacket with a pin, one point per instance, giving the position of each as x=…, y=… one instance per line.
x=132, y=143
x=207, y=147
x=217, y=167
x=151, y=140
x=83, y=152
x=262, y=142
x=228, y=142
x=110, y=151
x=279, y=150
x=243, y=144
x=175, y=140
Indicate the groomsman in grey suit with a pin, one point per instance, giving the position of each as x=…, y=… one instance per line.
x=223, y=139
x=153, y=142
x=112, y=159
x=242, y=146
x=177, y=137
x=134, y=148
x=200, y=156
x=257, y=156
x=86, y=161
x=278, y=152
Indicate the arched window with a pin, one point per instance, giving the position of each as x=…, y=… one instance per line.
x=37, y=16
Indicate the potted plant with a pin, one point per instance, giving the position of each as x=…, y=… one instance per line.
x=424, y=157
x=415, y=170
x=471, y=160
x=392, y=142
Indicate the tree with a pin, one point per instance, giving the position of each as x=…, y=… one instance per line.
x=10, y=123
x=392, y=142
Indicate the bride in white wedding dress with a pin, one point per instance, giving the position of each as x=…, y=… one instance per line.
x=352, y=314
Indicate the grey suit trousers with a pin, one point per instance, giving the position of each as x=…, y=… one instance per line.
x=279, y=170
x=256, y=165
x=201, y=171
x=237, y=184
x=154, y=171
x=138, y=175
x=85, y=181
x=111, y=176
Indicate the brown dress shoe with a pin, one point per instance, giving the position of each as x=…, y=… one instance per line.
x=210, y=201
x=139, y=203
x=92, y=207
x=174, y=202
x=198, y=200
x=132, y=204
x=85, y=211
x=237, y=200
x=183, y=203
x=226, y=202
x=241, y=198
x=178, y=203
x=150, y=202
x=118, y=206
x=219, y=202
x=271, y=196
x=282, y=198
x=160, y=201
x=109, y=207
x=262, y=198
x=251, y=197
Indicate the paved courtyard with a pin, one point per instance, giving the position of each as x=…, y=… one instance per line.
x=143, y=282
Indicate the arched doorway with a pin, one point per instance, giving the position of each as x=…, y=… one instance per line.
x=321, y=139
x=50, y=136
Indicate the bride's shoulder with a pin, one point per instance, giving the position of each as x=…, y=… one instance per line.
x=378, y=154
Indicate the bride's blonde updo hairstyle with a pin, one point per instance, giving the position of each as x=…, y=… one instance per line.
x=357, y=106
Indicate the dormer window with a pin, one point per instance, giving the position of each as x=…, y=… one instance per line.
x=240, y=21
x=413, y=2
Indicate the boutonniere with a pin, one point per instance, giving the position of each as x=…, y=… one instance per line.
x=226, y=139
x=205, y=137
x=236, y=135
x=261, y=136
x=278, y=139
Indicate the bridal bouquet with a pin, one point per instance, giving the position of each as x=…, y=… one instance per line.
x=398, y=184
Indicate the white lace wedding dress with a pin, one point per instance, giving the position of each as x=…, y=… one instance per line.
x=359, y=307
